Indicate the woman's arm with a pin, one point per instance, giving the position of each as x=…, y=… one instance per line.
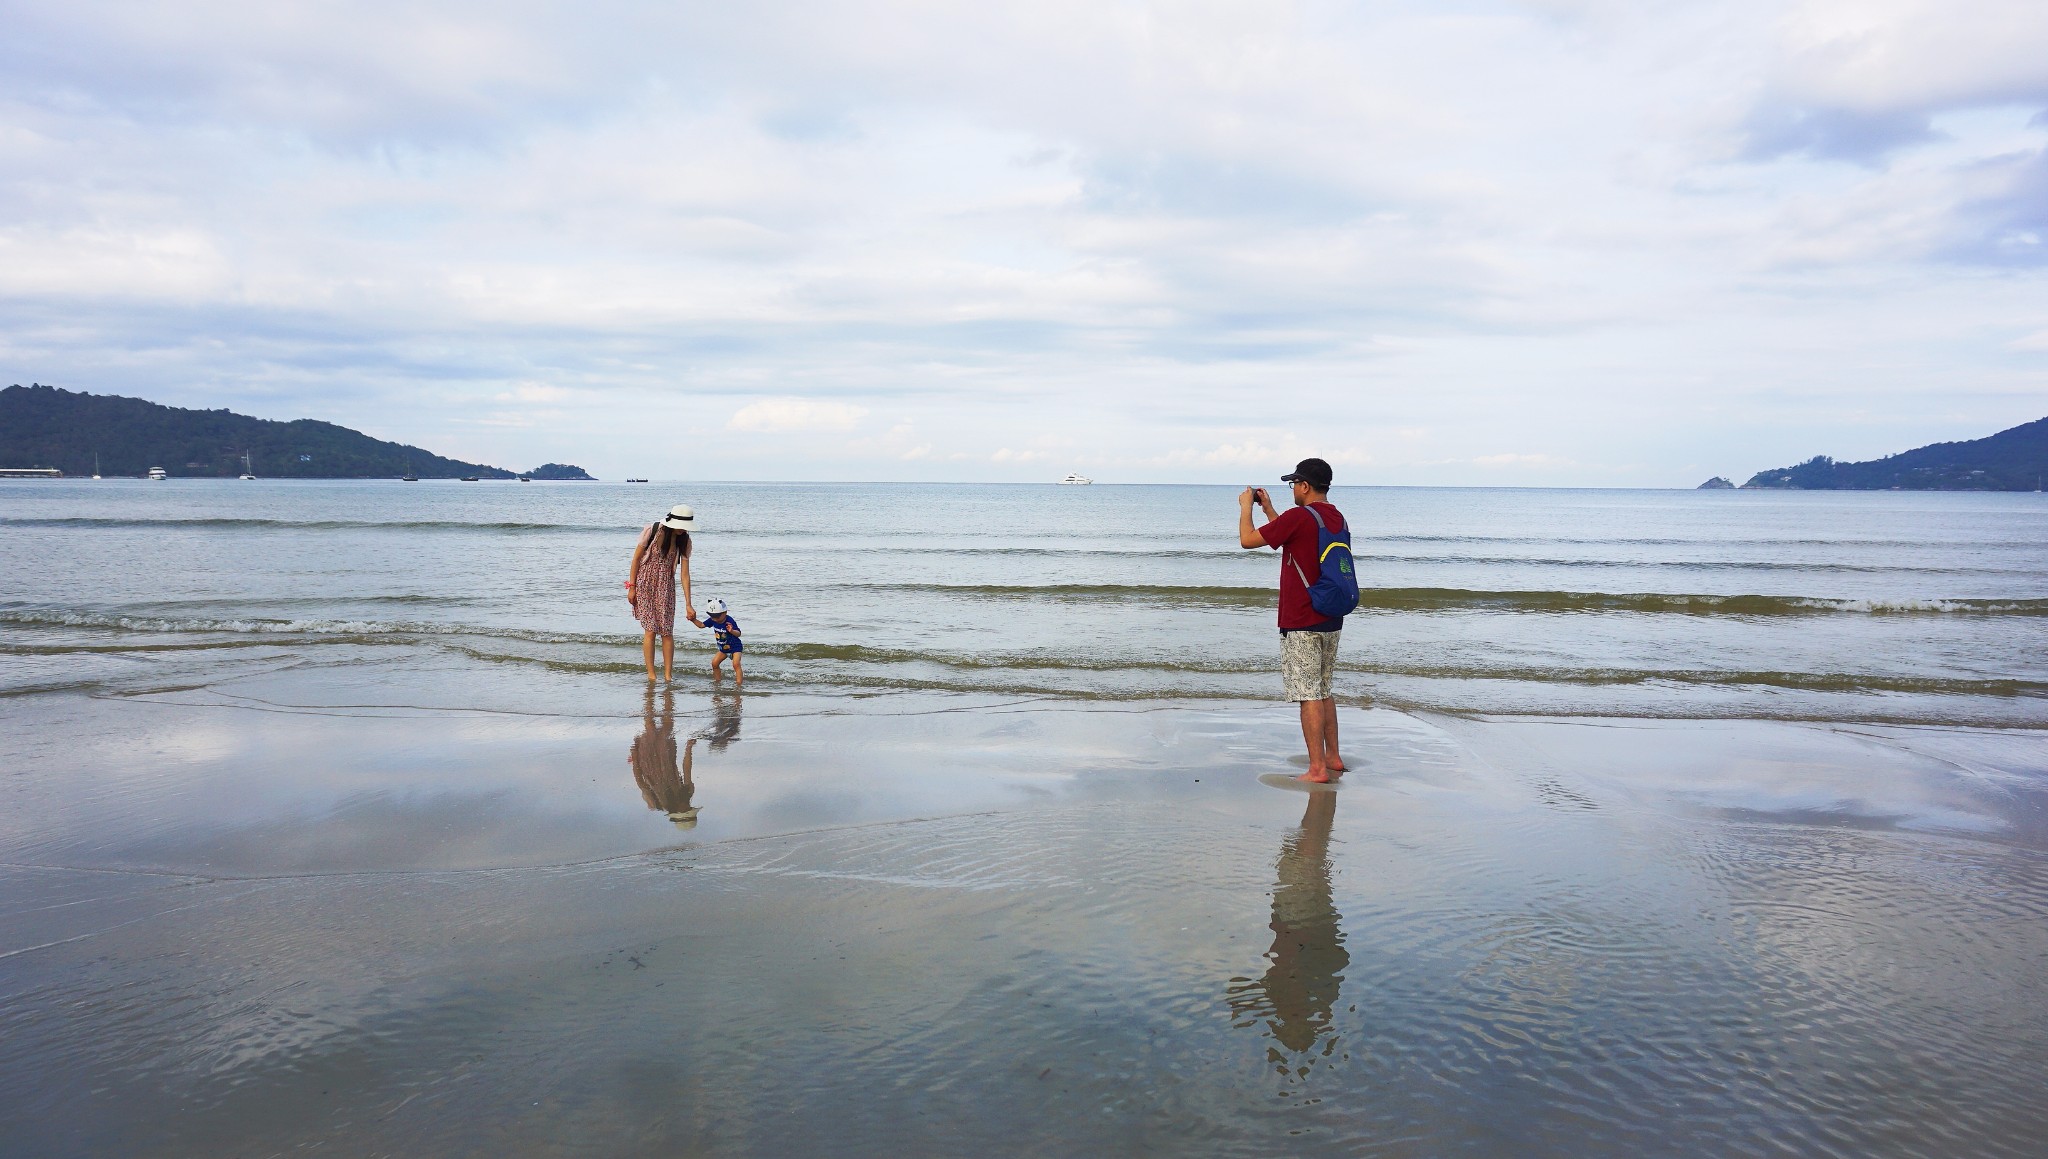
x=633, y=569
x=689, y=609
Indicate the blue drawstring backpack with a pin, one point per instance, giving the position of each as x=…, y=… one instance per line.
x=1335, y=590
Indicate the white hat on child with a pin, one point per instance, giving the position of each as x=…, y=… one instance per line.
x=714, y=606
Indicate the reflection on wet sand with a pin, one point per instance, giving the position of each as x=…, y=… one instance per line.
x=725, y=722
x=666, y=786
x=1295, y=997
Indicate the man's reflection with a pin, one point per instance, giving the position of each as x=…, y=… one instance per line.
x=663, y=786
x=1300, y=986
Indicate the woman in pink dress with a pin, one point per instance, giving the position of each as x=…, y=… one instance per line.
x=660, y=558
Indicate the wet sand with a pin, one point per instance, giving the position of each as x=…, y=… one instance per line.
x=410, y=913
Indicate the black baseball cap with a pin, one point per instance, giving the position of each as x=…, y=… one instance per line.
x=1313, y=472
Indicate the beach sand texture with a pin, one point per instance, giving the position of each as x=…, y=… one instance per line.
x=355, y=857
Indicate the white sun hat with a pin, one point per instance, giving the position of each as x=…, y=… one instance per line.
x=714, y=606
x=680, y=518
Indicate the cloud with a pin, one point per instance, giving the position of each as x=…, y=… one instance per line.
x=536, y=392
x=1835, y=134
x=1261, y=454
x=1533, y=459
x=1878, y=56
x=778, y=415
x=1230, y=236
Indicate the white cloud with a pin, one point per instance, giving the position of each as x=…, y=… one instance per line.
x=1879, y=55
x=777, y=415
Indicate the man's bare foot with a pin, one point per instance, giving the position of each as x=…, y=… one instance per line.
x=1316, y=776
x=1337, y=767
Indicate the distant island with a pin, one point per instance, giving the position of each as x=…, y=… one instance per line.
x=43, y=426
x=560, y=472
x=1717, y=483
x=2011, y=460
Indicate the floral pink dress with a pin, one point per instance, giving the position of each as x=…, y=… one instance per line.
x=654, y=589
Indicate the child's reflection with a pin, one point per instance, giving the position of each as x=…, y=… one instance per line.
x=725, y=722
x=663, y=786
x=1295, y=997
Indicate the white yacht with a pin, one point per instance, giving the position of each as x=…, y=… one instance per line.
x=158, y=475
x=248, y=472
x=1076, y=481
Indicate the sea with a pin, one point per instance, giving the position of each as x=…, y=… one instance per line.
x=1905, y=607
x=341, y=817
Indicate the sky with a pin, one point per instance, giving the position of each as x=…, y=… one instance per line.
x=1539, y=243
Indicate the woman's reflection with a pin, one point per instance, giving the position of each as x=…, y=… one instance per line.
x=1295, y=998
x=663, y=786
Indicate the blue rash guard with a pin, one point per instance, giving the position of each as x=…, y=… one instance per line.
x=727, y=632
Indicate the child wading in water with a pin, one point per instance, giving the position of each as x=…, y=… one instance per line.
x=727, y=632
x=661, y=557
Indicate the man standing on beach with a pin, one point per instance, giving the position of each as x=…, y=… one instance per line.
x=1308, y=639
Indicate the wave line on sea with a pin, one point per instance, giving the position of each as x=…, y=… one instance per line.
x=1462, y=599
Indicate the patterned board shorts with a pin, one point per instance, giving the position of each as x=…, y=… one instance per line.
x=1307, y=662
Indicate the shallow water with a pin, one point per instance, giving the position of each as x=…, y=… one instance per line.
x=1041, y=928
x=370, y=838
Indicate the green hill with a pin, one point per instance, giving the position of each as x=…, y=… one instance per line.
x=560, y=472
x=42, y=426
x=2011, y=460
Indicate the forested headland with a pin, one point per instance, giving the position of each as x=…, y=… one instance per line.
x=44, y=426
x=2015, y=459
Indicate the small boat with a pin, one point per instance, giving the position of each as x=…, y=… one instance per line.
x=95, y=464
x=469, y=478
x=636, y=480
x=248, y=472
x=408, y=477
x=1076, y=481
x=524, y=479
x=157, y=475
